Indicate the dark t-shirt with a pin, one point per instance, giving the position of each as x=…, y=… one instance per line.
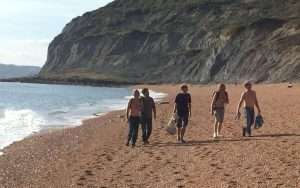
x=182, y=102
x=148, y=105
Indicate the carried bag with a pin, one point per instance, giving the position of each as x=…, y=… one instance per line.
x=259, y=121
x=171, y=127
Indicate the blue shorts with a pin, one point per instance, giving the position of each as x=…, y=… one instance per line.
x=182, y=121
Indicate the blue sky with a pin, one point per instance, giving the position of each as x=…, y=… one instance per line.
x=28, y=26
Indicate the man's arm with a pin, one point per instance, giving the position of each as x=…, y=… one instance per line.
x=175, y=105
x=175, y=108
x=190, y=105
x=154, y=109
x=257, y=105
x=227, y=98
x=190, y=109
x=240, y=103
x=128, y=109
x=213, y=103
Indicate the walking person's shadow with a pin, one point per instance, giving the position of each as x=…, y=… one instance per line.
x=276, y=135
x=221, y=140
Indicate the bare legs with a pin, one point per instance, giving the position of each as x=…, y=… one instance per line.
x=217, y=128
x=220, y=128
x=180, y=134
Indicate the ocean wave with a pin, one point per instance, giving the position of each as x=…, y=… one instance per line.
x=15, y=125
x=157, y=96
x=57, y=112
x=2, y=113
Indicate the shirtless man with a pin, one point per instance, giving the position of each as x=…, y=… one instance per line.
x=133, y=114
x=250, y=101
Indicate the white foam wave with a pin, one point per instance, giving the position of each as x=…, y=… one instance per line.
x=157, y=96
x=15, y=125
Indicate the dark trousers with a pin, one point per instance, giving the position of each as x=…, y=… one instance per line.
x=249, y=120
x=146, y=128
x=133, y=129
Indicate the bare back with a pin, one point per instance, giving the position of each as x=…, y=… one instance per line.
x=249, y=98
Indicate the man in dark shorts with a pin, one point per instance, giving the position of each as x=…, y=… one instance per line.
x=183, y=109
x=148, y=111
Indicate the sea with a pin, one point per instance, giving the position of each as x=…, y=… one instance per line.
x=26, y=109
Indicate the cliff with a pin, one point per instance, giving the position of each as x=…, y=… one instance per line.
x=197, y=41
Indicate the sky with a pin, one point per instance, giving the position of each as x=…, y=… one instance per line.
x=28, y=26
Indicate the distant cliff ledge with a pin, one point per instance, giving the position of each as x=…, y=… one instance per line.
x=197, y=41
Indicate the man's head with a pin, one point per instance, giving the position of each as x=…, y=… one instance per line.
x=222, y=87
x=248, y=85
x=136, y=93
x=184, y=88
x=145, y=92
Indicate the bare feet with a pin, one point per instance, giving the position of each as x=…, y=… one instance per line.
x=215, y=136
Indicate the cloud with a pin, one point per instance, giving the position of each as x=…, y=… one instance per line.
x=27, y=26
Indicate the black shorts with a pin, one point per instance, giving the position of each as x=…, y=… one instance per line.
x=182, y=121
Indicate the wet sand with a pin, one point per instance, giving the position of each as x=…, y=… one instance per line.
x=94, y=155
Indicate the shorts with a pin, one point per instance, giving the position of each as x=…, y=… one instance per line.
x=219, y=114
x=182, y=121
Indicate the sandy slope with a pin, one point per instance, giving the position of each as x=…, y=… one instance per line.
x=94, y=155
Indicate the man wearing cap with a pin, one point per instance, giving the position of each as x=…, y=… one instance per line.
x=250, y=101
x=183, y=109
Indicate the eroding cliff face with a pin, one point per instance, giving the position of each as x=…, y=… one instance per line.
x=196, y=41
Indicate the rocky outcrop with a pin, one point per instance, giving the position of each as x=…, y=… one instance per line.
x=197, y=41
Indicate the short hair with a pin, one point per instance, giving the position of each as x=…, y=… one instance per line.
x=145, y=90
x=183, y=86
x=222, y=85
x=247, y=83
x=136, y=91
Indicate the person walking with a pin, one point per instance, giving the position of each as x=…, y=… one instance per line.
x=183, y=109
x=250, y=101
x=133, y=114
x=148, y=111
x=220, y=99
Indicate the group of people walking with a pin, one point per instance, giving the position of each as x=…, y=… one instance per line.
x=141, y=110
x=248, y=100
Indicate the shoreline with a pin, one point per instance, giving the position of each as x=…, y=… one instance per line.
x=95, y=155
x=70, y=81
x=51, y=130
x=94, y=116
x=111, y=83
